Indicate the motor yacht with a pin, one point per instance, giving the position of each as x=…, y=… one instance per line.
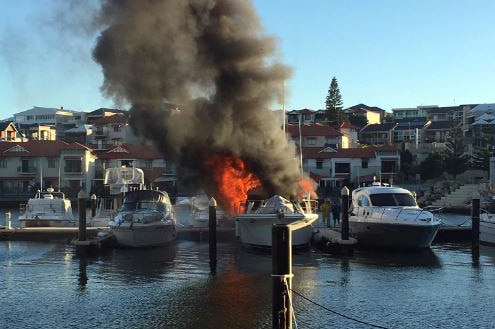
x=388, y=216
x=254, y=226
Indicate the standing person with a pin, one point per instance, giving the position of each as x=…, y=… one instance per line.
x=325, y=212
x=336, y=213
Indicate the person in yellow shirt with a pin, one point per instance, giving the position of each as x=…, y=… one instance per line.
x=325, y=212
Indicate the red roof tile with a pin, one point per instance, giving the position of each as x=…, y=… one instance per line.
x=37, y=148
x=314, y=129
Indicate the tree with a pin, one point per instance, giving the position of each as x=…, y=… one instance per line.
x=407, y=167
x=432, y=166
x=482, y=153
x=456, y=161
x=357, y=120
x=333, y=103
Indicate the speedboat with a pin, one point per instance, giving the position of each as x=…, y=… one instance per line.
x=386, y=216
x=254, y=226
x=146, y=219
x=47, y=209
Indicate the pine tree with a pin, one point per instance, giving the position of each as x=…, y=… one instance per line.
x=333, y=103
x=456, y=161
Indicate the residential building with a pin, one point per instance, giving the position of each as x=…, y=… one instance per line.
x=110, y=131
x=61, y=119
x=37, y=131
x=412, y=112
x=35, y=164
x=9, y=132
x=377, y=134
x=316, y=135
x=410, y=130
x=332, y=168
x=373, y=114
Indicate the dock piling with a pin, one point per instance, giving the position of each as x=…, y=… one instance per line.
x=281, y=276
x=345, y=213
x=8, y=220
x=81, y=204
x=475, y=225
x=212, y=234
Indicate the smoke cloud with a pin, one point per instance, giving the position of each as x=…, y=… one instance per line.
x=212, y=58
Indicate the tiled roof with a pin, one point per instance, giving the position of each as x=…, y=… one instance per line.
x=38, y=148
x=117, y=118
x=128, y=151
x=314, y=129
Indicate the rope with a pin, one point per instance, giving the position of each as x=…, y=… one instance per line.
x=337, y=313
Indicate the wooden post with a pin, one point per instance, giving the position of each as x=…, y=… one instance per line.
x=93, y=205
x=282, y=276
x=345, y=213
x=475, y=225
x=212, y=234
x=81, y=205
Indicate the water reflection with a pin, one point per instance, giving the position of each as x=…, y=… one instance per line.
x=398, y=258
x=138, y=264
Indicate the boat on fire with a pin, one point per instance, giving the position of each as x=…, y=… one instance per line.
x=386, y=216
x=47, y=209
x=145, y=219
x=254, y=226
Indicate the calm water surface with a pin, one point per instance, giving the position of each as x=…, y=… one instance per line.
x=46, y=285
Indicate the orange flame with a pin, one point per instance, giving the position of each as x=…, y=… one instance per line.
x=233, y=181
x=307, y=187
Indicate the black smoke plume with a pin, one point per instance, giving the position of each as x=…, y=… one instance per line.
x=212, y=58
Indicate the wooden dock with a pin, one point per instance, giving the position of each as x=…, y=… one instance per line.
x=68, y=234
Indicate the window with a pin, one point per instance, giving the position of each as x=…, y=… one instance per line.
x=311, y=140
x=342, y=168
x=319, y=164
x=389, y=166
x=392, y=199
x=51, y=162
x=73, y=166
x=148, y=164
x=3, y=162
x=116, y=129
x=364, y=164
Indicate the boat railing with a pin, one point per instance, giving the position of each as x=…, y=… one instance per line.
x=44, y=208
x=380, y=211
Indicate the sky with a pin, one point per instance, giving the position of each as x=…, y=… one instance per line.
x=384, y=53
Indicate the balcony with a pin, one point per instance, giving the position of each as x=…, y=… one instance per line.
x=27, y=170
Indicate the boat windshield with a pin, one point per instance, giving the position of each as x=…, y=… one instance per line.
x=150, y=200
x=392, y=200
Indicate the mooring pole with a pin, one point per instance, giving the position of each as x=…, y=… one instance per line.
x=475, y=225
x=81, y=206
x=8, y=220
x=282, y=276
x=212, y=234
x=345, y=213
x=93, y=205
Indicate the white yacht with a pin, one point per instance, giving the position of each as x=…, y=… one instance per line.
x=390, y=217
x=254, y=227
x=47, y=209
x=146, y=219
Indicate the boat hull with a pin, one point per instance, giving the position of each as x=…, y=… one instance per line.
x=487, y=229
x=256, y=230
x=394, y=235
x=138, y=236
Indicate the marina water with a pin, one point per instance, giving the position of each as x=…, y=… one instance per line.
x=46, y=285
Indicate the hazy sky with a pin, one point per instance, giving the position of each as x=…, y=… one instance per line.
x=383, y=53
